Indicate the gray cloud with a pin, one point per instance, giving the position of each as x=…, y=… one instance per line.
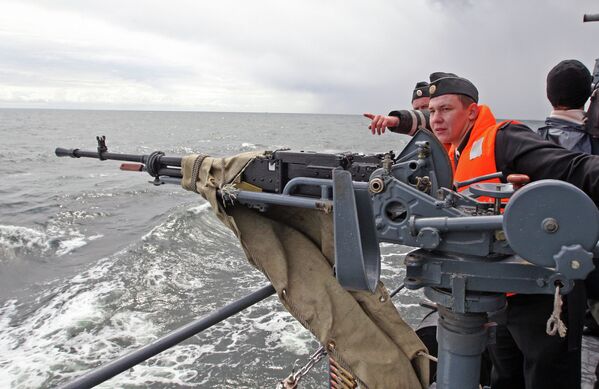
x=339, y=57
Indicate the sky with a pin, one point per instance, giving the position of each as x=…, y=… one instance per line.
x=309, y=56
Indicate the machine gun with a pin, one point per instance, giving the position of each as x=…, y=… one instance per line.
x=269, y=173
x=469, y=253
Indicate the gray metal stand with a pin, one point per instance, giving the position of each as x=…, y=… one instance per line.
x=462, y=335
x=462, y=339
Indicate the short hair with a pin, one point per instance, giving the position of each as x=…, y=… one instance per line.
x=466, y=100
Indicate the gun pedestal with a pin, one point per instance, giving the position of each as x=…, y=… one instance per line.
x=462, y=338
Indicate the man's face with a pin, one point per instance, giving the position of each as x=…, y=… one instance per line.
x=420, y=103
x=450, y=120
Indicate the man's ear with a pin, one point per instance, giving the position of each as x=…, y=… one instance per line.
x=473, y=110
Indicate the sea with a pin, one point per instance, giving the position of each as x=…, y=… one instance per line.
x=96, y=262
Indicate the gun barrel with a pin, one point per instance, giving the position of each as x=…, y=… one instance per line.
x=77, y=153
x=590, y=18
x=156, y=164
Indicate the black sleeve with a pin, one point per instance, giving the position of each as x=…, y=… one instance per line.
x=520, y=150
x=410, y=121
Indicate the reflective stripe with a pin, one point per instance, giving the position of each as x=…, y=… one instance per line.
x=414, y=122
x=422, y=119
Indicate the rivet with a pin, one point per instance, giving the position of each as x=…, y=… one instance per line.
x=331, y=345
x=284, y=293
x=383, y=298
x=575, y=264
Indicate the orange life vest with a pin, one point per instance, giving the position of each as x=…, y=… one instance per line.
x=478, y=157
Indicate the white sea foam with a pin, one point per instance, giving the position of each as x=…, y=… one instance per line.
x=70, y=216
x=402, y=305
x=17, y=240
x=199, y=208
x=66, y=246
x=183, y=224
x=160, y=231
x=30, y=350
x=176, y=367
x=284, y=332
x=73, y=326
x=95, y=273
x=16, y=237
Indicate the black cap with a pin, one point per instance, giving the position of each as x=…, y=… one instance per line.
x=569, y=84
x=420, y=90
x=450, y=84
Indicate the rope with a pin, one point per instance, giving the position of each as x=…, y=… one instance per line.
x=229, y=193
x=195, y=172
x=554, y=323
x=427, y=356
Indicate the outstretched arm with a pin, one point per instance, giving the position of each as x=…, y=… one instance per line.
x=403, y=122
x=379, y=123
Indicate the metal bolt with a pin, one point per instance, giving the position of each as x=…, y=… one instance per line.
x=575, y=264
x=550, y=225
x=382, y=299
x=331, y=345
x=376, y=185
x=284, y=293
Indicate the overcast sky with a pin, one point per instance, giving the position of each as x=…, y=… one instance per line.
x=284, y=56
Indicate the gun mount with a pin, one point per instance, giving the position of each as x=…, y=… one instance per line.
x=468, y=253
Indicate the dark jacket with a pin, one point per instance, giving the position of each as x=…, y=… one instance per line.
x=567, y=134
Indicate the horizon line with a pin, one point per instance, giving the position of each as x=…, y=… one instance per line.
x=200, y=111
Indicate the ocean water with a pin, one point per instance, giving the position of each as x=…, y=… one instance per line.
x=96, y=262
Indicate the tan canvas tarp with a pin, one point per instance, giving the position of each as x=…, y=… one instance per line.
x=294, y=248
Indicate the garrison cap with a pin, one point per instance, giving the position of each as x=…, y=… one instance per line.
x=569, y=84
x=450, y=84
x=420, y=90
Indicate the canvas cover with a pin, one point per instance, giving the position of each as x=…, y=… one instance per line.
x=294, y=248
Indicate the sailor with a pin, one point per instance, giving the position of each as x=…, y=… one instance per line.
x=568, y=89
x=420, y=96
x=414, y=118
x=569, y=86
